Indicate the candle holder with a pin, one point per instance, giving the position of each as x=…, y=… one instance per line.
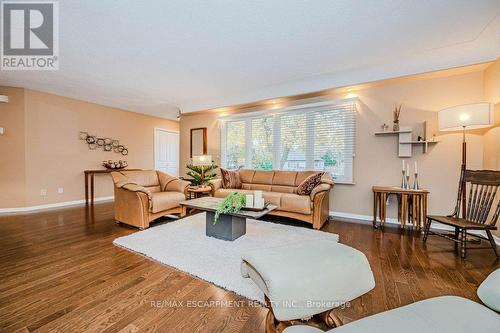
x=415, y=182
x=403, y=179
x=407, y=182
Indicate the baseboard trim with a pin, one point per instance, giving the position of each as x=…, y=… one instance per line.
x=52, y=205
x=435, y=226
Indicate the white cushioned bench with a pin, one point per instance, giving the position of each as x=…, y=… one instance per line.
x=309, y=278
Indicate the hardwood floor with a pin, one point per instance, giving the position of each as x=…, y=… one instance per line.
x=61, y=272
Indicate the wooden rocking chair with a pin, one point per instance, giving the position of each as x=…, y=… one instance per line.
x=477, y=214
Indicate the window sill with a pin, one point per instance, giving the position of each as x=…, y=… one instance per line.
x=343, y=183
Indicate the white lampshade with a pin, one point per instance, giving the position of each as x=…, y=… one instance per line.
x=469, y=116
x=4, y=99
x=199, y=160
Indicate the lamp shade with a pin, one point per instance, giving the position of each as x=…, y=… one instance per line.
x=469, y=116
x=199, y=160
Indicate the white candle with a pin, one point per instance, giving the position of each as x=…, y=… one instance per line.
x=407, y=169
x=249, y=200
x=403, y=165
x=416, y=167
x=258, y=201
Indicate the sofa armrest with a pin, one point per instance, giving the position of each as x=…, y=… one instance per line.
x=137, y=188
x=132, y=207
x=320, y=188
x=215, y=184
x=178, y=185
x=327, y=179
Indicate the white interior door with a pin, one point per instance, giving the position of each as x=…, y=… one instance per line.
x=167, y=151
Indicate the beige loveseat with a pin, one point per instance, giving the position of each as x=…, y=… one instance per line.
x=142, y=196
x=280, y=188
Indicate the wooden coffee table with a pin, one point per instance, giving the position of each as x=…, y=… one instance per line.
x=229, y=226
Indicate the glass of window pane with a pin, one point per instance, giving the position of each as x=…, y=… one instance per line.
x=235, y=145
x=262, y=143
x=293, y=142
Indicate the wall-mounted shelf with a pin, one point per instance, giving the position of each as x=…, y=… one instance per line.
x=391, y=132
x=406, y=142
x=425, y=144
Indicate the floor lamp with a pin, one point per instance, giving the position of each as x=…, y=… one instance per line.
x=462, y=118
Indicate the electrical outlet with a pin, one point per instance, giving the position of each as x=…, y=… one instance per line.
x=60, y=190
x=43, y=192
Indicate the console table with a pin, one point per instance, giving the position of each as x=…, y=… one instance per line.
x=412, y=205
x=89, y=178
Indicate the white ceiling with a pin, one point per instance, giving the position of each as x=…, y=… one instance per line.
x=155, y=56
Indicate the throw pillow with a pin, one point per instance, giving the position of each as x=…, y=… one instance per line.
x=230, y=178
x=307, y=185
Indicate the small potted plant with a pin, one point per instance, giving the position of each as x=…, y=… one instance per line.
x=201, y=174
x=231, y=204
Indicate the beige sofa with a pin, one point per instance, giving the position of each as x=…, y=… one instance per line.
x=142, y=196
x=280, y=188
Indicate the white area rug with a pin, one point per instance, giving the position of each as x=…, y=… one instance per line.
x=182, y=244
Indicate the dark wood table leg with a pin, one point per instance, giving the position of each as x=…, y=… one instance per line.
x=92, y=189
x=86, y=188
x=424, y=209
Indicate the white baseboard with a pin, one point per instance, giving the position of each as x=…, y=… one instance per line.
x=435, y=226
x=52, y=205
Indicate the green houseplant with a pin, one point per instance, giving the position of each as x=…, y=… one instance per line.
x=200, y=175
x=231, y=204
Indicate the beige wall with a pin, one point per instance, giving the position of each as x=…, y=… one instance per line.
x=376, y=160
x=12, y=157
x=55, y=157
x=492, y=136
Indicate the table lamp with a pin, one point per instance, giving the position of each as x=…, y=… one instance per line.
x=465, y=117
x=201, y=161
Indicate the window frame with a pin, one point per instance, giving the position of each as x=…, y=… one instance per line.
x=277, y=113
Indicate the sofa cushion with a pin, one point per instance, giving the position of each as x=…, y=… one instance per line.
x=308, y=184
x=230, y=178
x=489, y=291
x=153, y=189
x=166, y=200
x=246, y=175
x=224, y=192
x=164, y=179
x=144, y=178
x=284, y=178
x=263, y=177
x=295, y=203
x=273, y=198
x=283, y=189
x=285, y=201
x=301, y=175
x=260, y=187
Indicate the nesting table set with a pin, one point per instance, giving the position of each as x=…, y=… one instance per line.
x=412, y=205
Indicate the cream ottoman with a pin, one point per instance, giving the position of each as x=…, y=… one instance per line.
x=306, y=279
x=439, y=314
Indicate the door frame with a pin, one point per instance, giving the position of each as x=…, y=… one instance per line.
x=154, y=145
